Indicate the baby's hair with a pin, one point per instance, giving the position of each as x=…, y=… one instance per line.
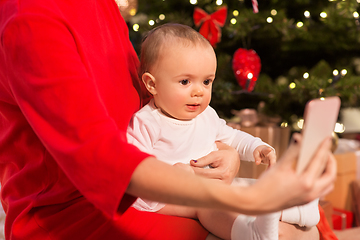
x=157, y=37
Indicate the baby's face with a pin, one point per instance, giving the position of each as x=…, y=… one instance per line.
x=183, y=80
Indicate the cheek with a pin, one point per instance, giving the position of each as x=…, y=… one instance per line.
x=175, y=93
x=173, y=98
x=207, y=95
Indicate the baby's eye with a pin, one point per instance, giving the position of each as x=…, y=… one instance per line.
x=184, y=82
x=207, y=82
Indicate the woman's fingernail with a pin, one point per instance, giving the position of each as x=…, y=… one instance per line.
x=195, y=161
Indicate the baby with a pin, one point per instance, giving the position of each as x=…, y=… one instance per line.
x=178, y=68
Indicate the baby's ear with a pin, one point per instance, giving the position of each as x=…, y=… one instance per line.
x=149, y=82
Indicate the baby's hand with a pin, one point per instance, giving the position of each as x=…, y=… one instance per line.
x=264, y=154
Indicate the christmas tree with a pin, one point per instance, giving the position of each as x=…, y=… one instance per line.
x=308, y=49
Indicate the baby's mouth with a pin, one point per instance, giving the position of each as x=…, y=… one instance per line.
x=193, y=106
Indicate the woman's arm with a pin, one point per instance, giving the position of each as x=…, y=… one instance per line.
x=278, y=188
x=67, y=106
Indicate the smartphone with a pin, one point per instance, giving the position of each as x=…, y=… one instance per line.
x=320, y=117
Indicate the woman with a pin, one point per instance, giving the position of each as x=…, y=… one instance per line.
x=68, y=90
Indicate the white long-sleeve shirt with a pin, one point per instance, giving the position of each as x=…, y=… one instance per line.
x=172, y=141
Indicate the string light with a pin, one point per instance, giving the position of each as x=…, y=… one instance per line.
x=151, y=22
x=299, y=24
x=337, y=76
x=269, y=19
x=292, y=85
x=300, y=123
x=236, y=13
x=323, y=14
x=219, y=2
x=250, y=76
x=233, y=21
x=284, y=124
x=306, y=75
x=355, y=14
x=162, y=17
x=273, y=12
x=343, y=72
x=132, y=12
x=339, y=128
x=193, y=2
x=307, y=14
x=136, y=27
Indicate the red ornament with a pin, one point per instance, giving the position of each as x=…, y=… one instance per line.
x=246, y=65
x=211, y=24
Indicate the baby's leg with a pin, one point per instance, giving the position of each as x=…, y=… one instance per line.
x=261, y=227
x=228, y=225
x=219, y=223
x=305, y=216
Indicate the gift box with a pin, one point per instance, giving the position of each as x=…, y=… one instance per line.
x=341, y=195
x=342, y=219
x=277, y=137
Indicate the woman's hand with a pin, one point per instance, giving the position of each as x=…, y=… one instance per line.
x=224, y=164
x=296, y=189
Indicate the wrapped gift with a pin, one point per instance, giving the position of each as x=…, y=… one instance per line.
x=342, y=219
x=341, y=196
x=277, y=137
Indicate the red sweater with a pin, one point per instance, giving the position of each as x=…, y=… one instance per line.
x=67, y=69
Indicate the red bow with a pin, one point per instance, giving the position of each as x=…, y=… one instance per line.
x=211, y=24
